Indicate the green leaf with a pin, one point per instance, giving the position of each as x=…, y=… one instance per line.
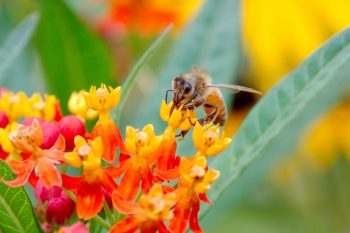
x=212, y=40
x=73, y=57
x=15, y=42
x=16, y=211
x=275, y=122
x=131, y=79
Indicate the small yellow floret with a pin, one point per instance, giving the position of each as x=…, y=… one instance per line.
x=207, y=139
x=78, y=106
x=87, y=154
x=103, y=98
x=142, y=143
x=157, y=206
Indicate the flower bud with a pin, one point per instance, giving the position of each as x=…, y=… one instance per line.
x=41, y=193
x=77, y=227
x=71, y=126
x=4, y=120
x=3, y=90
x=57, y=212
x=28, y=121
x=69, y=202
x=51, y=131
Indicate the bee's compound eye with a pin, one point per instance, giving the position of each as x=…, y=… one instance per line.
x=187, y=87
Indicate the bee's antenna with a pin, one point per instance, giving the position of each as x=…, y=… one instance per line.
x=166, y=95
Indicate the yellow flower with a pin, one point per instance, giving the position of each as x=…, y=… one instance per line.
x=195, y=174
x=103, y=98
x=78, y=106
x=177, y=118
x=44, y=109
x=15, y=105
x=142, y=143
x=208, y=141
x=87, y=154
x=5, y=142
x=19, y=105
x=277, y=41
x=49, y=109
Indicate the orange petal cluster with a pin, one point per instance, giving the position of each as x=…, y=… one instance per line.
x=154, y=187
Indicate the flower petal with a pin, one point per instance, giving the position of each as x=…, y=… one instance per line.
x=48, y=173
x=107, y=181
x=194, y=225
x=123, y=206
x=168, y=175
x=203, y=197
x=179, y=222
x=167, y=153
x=130, y=183
x=147, y=180
x=71, y=183
x=162, y=227
x=128, y=225
x=197, y=137
x=22, y=169
x=165, y=110
x=118, y=171
x=60, y=144
x=89, y=199
x=111, y=139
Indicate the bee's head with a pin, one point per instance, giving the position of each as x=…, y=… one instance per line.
x=182, y=90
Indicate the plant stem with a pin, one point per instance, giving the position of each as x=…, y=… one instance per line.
x=97, y=218
x=102, y=222
x=108, y=212
x=99, y=229
x=63, y=168
x=116, y=214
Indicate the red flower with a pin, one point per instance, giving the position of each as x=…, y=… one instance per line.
x=90, y=186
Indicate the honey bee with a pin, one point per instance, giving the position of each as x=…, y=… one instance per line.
x=195, y=89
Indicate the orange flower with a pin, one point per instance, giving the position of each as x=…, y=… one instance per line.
x=195, y=181
x=151, y=16
x=148, y=214
x=177, y=119
x=144, y=146
x=90, y=185
x=103, y=100
x=41, y=163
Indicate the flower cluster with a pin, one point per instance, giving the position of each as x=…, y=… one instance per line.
x=138, y=183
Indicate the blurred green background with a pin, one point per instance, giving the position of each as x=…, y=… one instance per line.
x=78, y=43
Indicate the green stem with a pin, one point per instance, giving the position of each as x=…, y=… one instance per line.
x=99, y=229
x=116, y=214
x=102, y=222
x=63, y=168
x=97, y=218
x=108, y=212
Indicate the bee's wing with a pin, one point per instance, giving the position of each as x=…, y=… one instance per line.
x=234, y=88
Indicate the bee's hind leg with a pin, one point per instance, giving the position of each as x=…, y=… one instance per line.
x=212, y=116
